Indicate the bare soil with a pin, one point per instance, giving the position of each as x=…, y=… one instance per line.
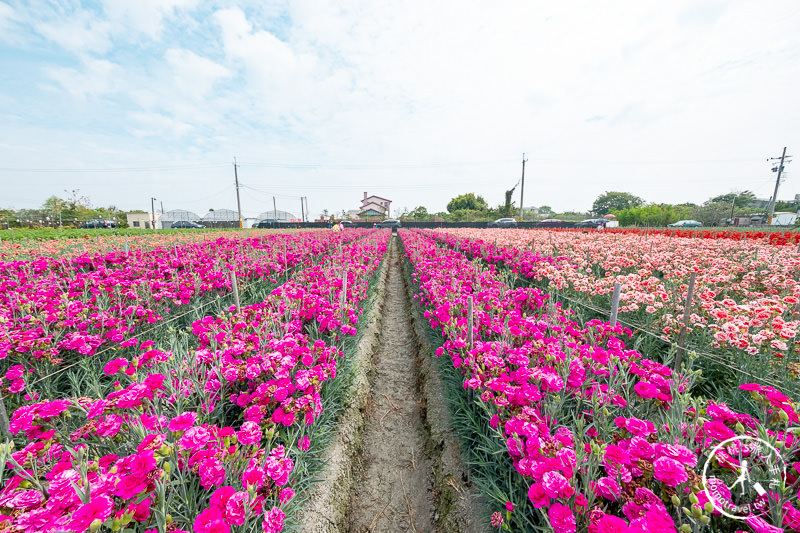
x=396, y=492
x=394, y=464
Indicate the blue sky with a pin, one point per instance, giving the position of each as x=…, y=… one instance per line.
x=416, y=101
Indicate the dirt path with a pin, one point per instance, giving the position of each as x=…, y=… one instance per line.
x=395, y=492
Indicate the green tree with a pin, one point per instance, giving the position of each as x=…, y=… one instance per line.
x=612, y=201
x=743, y=199
x=419, y=213
x=546, y=211
x=467, y=201
x=653, y=215
x=507, y=206
x=468, y=215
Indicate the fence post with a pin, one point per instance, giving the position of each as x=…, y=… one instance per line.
x=470, y=328
x=687, y=311
x=615, y=303
x=235, y=287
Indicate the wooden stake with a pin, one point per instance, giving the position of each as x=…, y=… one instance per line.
x=470, y=327
x=687, y=312
x=343, y=297
x=615, y=303
x=235, y=287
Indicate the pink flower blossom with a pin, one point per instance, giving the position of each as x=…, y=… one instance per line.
x=670, y=471
x=273, y=520
x=561, y=518
x=98, y=508
x=183, y=421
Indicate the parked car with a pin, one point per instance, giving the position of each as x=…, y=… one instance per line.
x=186, y=224
x=348, y=224
x=685, y=224
x=503, y=223
x=591, y=223
x=553, y=223
x=94, y=224
x=388, y=223
x=268, y=223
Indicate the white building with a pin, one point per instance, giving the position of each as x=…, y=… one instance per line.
x=373, y=207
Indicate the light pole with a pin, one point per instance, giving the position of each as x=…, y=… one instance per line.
x=153, y=211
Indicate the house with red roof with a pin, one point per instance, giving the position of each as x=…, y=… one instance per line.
x=374, y=207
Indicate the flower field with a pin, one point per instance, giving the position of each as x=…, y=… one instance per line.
x=138, y=398
x=601, y=437
x=745, y=304
x=197, y=432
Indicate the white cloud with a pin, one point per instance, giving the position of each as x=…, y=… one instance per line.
x=601, y=96
x=145, y=16
x=193, y=75
x=96, y=77
x=77, y=32
x=155, y=124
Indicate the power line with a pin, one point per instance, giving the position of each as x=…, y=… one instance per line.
x=110, y=169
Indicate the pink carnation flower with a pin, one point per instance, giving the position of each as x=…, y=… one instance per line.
x=273, y=520
x=183, y=421
x=98, y=508
x=114, y=366
x=250, y=433
x=669, y=471
x=561, y=518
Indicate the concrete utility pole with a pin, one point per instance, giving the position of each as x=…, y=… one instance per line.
x=274, y=210
x=777, y=183
x=522, y=190
x=153, y=211
x=238, y=201
x=302, y=211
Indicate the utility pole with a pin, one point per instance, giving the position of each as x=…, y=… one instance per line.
x=238, y=201
x=733, y=202
x=777, y=183
x=162, y=208
x=302, y=211
x=274, y=210
x=153, y=211
x=522, y=190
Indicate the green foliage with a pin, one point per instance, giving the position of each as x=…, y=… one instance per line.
x=782, y=205
x=468, y=215
x=714, y=213
x=743, y=199
x=507, y=207
x=25, y=234
x=467, y=202
x=611, y=201
x=420, y=213
x=652, y=215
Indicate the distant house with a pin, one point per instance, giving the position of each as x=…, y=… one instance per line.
x=374, y=207
x=141, y=220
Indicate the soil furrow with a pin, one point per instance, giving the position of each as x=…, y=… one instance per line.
x=396, y=492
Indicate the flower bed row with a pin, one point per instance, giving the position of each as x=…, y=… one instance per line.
x=601, y=438
x=52, y=310
x=746, y=293
x=203, y=440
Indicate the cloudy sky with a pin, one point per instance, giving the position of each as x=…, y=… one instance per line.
x=416, y=101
